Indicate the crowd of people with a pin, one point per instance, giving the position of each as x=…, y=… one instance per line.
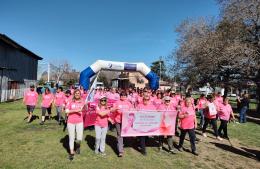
x=70, y=106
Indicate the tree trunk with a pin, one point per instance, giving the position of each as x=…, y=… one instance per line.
x=258, y=92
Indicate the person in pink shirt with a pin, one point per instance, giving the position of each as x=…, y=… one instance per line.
x=153, y=96
x=219, y=98
x=210, y=114
x=112, y=95
x=201, y=105
x=158, y=100
x=118, y=108
x=101, y=125
x=225, y=111
x=75, y=122
x=47, y=99
x=59, y=99
x=188, y=124
x=132, y=99
x=30, y=99
x=145, y=105
x=167, y=106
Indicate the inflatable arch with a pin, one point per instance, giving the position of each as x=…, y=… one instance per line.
x=86, y=74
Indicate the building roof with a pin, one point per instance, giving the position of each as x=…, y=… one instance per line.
x=14, y=44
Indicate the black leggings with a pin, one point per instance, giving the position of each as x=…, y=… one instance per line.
x=214, y=125
x=223, y=126
x=192, y=138
x=44, y=110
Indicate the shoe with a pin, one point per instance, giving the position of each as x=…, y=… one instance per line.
x=197, y=139
x=71, y=157
x=103, y=154
x=180, y=149
x=226, y=137
x=219, y=138
x=96, y=152
x=172, y=151
x=78, y=150
x=144, y=153
x=41, y=123
x=120, y=155
x=204, y=135
x=160, y=148
x=195, y=153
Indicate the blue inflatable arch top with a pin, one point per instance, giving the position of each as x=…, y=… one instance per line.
x=90, y=71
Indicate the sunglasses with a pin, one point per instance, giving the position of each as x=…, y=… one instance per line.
x=103, y=100
x=167, y=100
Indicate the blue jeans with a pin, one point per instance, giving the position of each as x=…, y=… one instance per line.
x=242, y=114
x=202, y=119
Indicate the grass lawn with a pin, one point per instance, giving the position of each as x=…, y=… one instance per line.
x=26, y=146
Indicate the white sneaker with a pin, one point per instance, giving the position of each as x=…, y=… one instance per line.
x=204, y=134
x=219, y=138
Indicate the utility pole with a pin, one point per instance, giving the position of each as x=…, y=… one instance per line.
x=48, y=72
x=160, y=66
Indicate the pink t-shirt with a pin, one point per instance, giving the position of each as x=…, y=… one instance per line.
x=157, y=102
x=146, y=107
x=102, y=121
x=207, y=114
x=59, y=99
x=174, y=102
x=121, y=106
x=76, y=117
x=47, y=100
x=219, y=99
x=67, y=100
x=30, y=98
x=189, y=121
x=113, y=96
x=139, y=99
x=225, y=111
x=201, y=103
x=165, y=107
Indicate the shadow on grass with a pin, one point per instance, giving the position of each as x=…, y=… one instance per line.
x=249, y=153
x=34, y=117
x=90, y=141
x=65, y=143
x=128, y=142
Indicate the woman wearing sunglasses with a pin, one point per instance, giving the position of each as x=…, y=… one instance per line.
x=75, y=122
x=101, y=125
x=167, y=106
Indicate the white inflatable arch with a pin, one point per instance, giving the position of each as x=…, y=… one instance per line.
x=90, y=71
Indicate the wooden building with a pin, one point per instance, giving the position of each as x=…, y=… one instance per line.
x=18, y=69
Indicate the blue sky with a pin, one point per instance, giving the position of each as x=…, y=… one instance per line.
x=87, y=30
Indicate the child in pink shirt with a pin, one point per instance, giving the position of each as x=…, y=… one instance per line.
x=225, y=111
x=101, y=125
x=30, y=100
x=188, y=123
x=75, y=122
x=47, y=99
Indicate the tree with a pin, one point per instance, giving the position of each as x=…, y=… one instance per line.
x=59, y=69
x=224, y=51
